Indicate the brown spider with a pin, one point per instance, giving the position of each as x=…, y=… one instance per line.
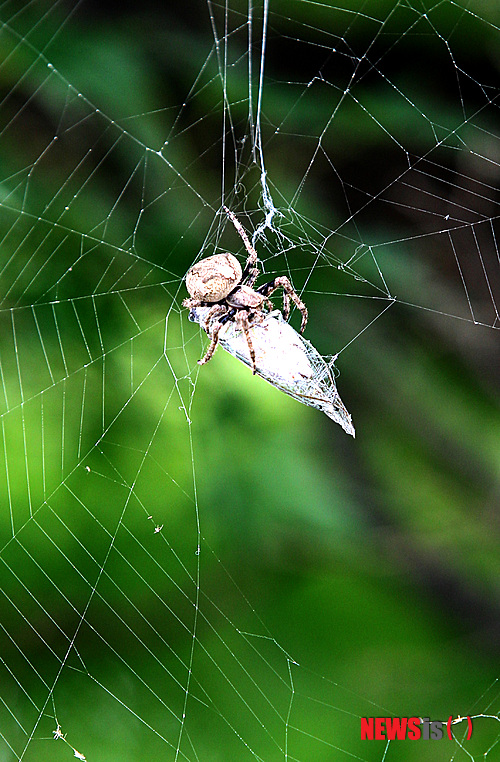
x=220, y=281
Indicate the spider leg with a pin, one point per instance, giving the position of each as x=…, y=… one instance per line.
x=217, y=309
x=288, y=293
x=242, y=321
x=213, y=332
x=213, y=344
x=190, y=303
x=249, y=277
x=249, y=271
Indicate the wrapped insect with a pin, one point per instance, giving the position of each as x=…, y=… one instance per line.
x=282, y=357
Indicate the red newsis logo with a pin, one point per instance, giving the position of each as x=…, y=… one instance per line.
x=390, y=728
x=407, y=728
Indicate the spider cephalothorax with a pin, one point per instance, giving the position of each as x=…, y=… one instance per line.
x=219, y=282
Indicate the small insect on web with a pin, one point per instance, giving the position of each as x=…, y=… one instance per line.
x=243, y=321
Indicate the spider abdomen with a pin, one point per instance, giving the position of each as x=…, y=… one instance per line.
x=213, y=278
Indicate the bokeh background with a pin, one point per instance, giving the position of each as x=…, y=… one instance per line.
x=373, y=563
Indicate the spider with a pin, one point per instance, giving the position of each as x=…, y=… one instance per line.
x=220, y=281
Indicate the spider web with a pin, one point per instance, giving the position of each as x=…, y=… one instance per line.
x=165, y=591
